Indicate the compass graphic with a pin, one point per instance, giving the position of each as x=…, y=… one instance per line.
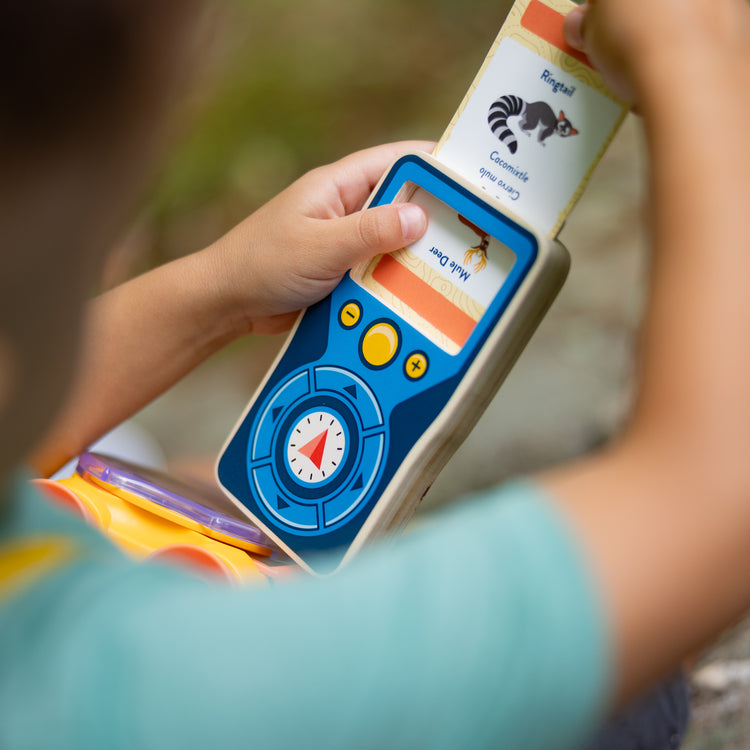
x=316, y=448
x=315, y=452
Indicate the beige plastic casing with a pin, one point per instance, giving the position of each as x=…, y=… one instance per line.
x=483, y=379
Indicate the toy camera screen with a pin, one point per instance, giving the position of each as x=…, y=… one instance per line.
x=443, y=283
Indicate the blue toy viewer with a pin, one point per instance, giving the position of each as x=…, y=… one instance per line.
x=367, y=370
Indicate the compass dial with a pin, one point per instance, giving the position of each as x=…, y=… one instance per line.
x=316, y=447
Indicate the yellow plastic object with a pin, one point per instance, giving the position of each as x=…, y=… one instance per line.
x=146, y=530
x=350, y=314
x=380, y=344
x=416, y=365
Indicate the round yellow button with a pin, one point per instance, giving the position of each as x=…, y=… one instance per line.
x=380, y=344
x=416, y=366
x=350, y=314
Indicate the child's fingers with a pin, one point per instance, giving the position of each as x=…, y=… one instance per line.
x=376, y=230
x=369, y=163
x=573, y=27
x=357, y=174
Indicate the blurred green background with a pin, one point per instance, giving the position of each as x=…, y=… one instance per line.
x=285, y=86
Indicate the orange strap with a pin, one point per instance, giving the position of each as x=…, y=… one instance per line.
x=547, y=24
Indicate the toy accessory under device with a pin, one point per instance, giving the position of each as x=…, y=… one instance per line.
x=151, y=515
x=379, y=382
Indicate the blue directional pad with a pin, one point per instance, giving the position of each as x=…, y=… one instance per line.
x=342, y=381
x=346, y=502
x=289, y=393
x=283, y=510
x=316, y=450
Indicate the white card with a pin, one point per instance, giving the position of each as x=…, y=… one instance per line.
x=536, y=119
x=530, y=134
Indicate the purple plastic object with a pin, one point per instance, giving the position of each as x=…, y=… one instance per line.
x=199, y=502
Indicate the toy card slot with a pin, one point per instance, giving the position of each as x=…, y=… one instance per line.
x=445, y=282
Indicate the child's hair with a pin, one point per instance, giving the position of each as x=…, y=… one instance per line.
x=83, y=85
x=69, y=69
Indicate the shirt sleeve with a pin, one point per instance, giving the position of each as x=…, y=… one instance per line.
x=482, y=628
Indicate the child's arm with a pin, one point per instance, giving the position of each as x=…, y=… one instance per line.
x=145, y=335
x=664, y=514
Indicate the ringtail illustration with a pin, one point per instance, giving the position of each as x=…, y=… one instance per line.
x=533, y=115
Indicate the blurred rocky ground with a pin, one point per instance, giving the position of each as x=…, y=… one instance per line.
x=720, y=685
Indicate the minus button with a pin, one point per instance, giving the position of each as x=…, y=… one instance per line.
x=350, y=314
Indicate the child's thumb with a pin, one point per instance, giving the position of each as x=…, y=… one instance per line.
x=382, y=229
x=573, y=27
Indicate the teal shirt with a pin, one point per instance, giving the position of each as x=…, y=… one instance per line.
x=479, y=629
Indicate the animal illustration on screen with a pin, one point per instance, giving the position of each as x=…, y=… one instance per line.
x=535, y=116
x=478, y=253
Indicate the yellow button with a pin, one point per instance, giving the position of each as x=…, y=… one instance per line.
x=416, y=366
x=350, y=314
x=380, y=344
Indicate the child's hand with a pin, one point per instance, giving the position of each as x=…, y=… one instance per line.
x=634, y=42
x=145, y=335
x=295, y=249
